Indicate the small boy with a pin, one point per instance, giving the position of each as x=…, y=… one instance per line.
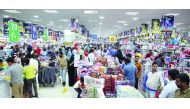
x=30, y=76
x=79, y=85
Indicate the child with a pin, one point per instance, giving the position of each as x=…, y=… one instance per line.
x=30, y=76
x=79, y=85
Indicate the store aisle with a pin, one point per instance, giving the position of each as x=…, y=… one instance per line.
x=58, y=91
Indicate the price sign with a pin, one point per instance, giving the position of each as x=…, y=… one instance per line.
x=13, y=31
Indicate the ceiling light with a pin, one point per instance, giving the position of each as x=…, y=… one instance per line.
x=121, y=21
x=64, y=20
x=51, y=22
x=178, y=24
x=100, y=23
x=101, y=17
x=36, y=20
x=174, y=14
x=90, y=12
x=51, y=11
x=12, y=11
x=36, y=16
x=28, y=22
x=5, y=16
x=135, y=18
x=126, y=24
x=132, y=13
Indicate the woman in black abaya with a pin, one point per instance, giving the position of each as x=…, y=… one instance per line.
x=71, y=71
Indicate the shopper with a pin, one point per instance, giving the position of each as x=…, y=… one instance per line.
x=139, y=71
x=129, y=71
x=119, y=55
x=153, y=81
x=62, y=62
x=91, y=57
x=17, y=58
x=38, y=51
x=182, y=82
x=3, y=65
x=14, y=75
x=71, y=71
x=171, y=87
x=79, y=86
x=30, y=75
x=2, y=53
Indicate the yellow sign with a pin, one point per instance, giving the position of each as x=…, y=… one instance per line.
x=112, y=39
x=1, y=32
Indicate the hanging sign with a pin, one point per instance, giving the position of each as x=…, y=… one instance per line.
x=132, y=32
x=74, y=25
x=112, y=39
x=167, y=23
x=13, y=31
x=69, y=38
x=34, y=32
x=1, y=32
x=155, y=26
x=144, y=28
x=45, y=35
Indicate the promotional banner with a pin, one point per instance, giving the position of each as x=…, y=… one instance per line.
x=112, y=39
x=83, y=29
x=5, y=25
x=1, y=32
x=40, y=30
x=45, y=35
x=21, y=28
x=137, y=31
x=74, y=25
x=155, y=26
x=69, y=38
x=126, y=33
x=185, y=34
x=167, y=23
x=34, y=32
x=144, y=29
x=28, y=28
x=50, y=33
x=13, y=31
x=132, y=32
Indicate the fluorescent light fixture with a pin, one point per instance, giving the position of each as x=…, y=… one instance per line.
x=125, y=24
x=100, y=27
x=28, y=22
x=178, y=24
x=135, y=18
x=36, y=16
x=51, y=11
x=132, y=13
x=101, y=17
x=174, y=14
x=51, y=22
x=100, y=23
x=36, y=20
x=5, y=16
x=12, y=11
x=63, y=20
x=90, y=12
x=121, y=21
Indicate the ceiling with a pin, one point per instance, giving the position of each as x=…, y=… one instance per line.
x=107, y=26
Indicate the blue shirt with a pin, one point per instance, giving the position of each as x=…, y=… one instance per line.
x=129, y=73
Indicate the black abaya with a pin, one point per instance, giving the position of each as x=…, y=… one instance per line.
x=72, y=72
